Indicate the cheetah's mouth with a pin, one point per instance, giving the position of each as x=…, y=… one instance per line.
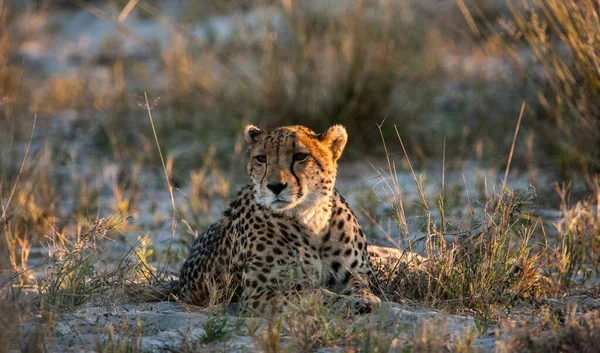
x=279, y=204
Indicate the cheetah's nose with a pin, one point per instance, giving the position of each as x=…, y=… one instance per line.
x=276, y=187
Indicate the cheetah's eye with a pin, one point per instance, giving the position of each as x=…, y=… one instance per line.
x=300, y=157
x=261, y=159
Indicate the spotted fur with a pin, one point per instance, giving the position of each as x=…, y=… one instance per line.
x=287, y=232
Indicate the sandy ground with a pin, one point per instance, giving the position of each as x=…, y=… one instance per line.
x=167, y=326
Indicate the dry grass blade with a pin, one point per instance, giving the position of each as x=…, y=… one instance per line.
x=443, y=190
x=512, y=146
x=419, y=185
x=467, y=14
x=5, y=207
x=167, y=177
x=105, y=17
x=131, y=4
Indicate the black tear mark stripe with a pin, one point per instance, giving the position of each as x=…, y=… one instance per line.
x=299, y=194
x=266, y=166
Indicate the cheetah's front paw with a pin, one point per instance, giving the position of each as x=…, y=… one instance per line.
x=365, y=304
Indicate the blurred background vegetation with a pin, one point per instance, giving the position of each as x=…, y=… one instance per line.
x=454, y=71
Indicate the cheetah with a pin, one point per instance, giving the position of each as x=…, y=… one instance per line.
x=287, y=232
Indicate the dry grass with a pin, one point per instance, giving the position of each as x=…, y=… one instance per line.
x=573, y=259
x=12, y=89
x=569, y=333
x=350, y=64
x=492, y=257
x=562, y=37
x=342, y=66
x=312, y=325
x=498, y=261
x=75, y=276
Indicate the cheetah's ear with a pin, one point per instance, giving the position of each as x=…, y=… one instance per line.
x=251, y=134
x=335, y=138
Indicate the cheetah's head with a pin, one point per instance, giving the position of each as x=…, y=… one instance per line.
x=292, y=166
